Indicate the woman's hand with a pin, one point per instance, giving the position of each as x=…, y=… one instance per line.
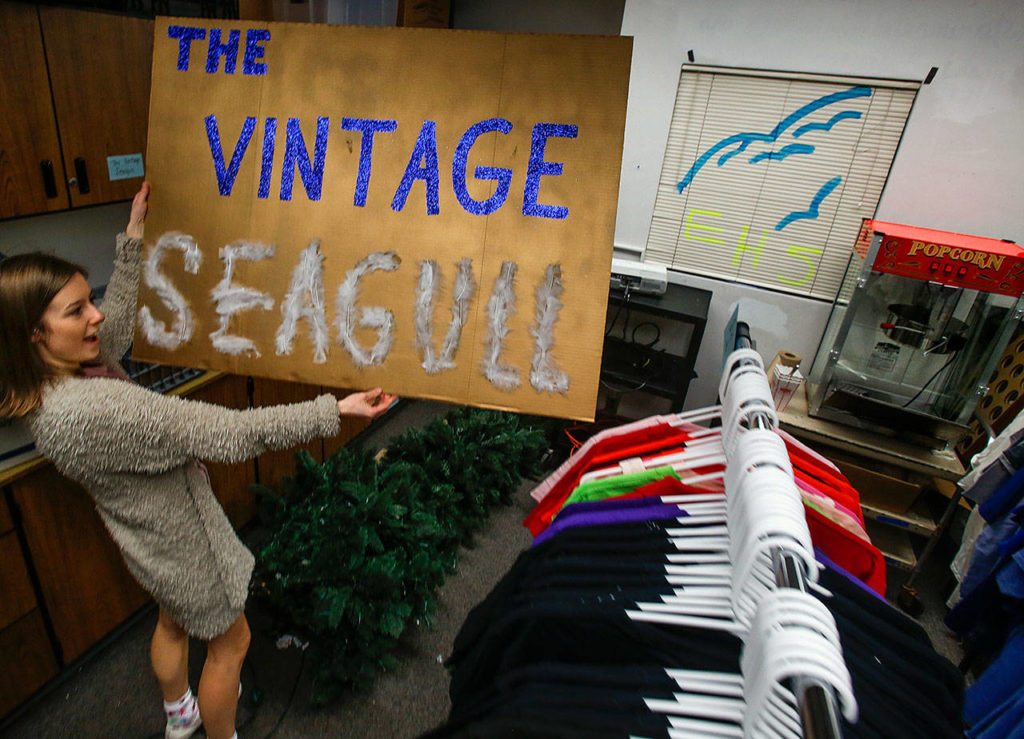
x=367, y=404
x=137, y=219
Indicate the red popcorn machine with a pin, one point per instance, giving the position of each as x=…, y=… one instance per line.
x=920, y=321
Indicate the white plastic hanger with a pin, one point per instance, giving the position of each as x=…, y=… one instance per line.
x=745, y=392
x=792, y=635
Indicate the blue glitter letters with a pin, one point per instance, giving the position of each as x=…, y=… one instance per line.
x=538, y=167
x=423, y=163
x=296, y=155
x=267, y=163
x=368, y=126
x=426, y=149
x=185, y=35
x=502, y=175
x=226, y=175
x=254, y=51
x=217, y=50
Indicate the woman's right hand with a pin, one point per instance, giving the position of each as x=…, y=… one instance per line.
x=140, y=207
x=367, y=404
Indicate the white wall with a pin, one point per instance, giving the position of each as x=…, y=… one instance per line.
x=84, y=236
x=959, y=165
x=778, y=322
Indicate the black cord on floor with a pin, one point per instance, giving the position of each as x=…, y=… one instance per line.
x=291, y=698
x=254, y=691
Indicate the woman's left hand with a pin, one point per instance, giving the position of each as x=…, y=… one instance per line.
x=367, y=404
x=137, y=219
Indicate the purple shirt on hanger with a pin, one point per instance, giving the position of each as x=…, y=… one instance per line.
x=604, y=512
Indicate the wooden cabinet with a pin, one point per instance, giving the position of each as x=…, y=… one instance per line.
x=14, y=581
x=84, y=583
x=230, y=482
x=74, y=90
x=27, y=660
x=6, y=521
x=28, y=129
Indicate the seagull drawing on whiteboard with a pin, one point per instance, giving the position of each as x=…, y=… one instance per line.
x=731, y=146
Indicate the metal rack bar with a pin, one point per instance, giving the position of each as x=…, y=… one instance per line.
x=815, y=699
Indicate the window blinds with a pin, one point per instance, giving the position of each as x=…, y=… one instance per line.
x=767, y=176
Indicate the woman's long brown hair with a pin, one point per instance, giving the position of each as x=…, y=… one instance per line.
x=28, y=282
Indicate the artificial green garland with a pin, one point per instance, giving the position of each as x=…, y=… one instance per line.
x=358, y=546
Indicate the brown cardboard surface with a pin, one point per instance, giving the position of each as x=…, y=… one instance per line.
x=454, y=78
x=894, y=492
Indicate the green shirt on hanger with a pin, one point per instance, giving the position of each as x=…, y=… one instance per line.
x=609, y=487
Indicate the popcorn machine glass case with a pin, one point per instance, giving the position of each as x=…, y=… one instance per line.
x=921, y=319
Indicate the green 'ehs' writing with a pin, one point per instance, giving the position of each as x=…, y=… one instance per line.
x=698, y=228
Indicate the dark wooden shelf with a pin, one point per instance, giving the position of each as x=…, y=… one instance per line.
x=639, y=369
x=664, y=371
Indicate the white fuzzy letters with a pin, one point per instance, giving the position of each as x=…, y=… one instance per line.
x=545, y=376
x=305, y=299
x=230, y=298
x=426, y=290
x=154, y=330
x=375, y=317
x=500, y=307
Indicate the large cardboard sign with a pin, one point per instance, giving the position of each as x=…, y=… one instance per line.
x=430, y=211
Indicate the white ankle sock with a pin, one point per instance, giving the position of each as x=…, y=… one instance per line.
x=184, y=706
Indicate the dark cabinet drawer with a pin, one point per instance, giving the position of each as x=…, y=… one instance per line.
x=18, y=598
x=6, y=522
x=26, y=660
x=87, y=589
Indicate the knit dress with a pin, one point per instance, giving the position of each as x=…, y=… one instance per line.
x=135, y=451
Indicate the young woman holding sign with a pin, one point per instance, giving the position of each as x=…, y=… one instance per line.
x=137, y=452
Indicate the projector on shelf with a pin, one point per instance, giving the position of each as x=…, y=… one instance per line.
x=639, y=277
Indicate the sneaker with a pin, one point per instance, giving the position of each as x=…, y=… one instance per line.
x=182, y=727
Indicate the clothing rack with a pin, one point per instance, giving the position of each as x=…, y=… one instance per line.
x=818, y=714
x=722, y=586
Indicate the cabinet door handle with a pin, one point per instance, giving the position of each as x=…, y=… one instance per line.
x=82, y=175
x=49, y=180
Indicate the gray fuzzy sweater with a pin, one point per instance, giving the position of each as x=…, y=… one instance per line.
x=136, y=453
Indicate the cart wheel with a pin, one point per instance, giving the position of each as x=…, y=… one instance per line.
x=909, y=602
